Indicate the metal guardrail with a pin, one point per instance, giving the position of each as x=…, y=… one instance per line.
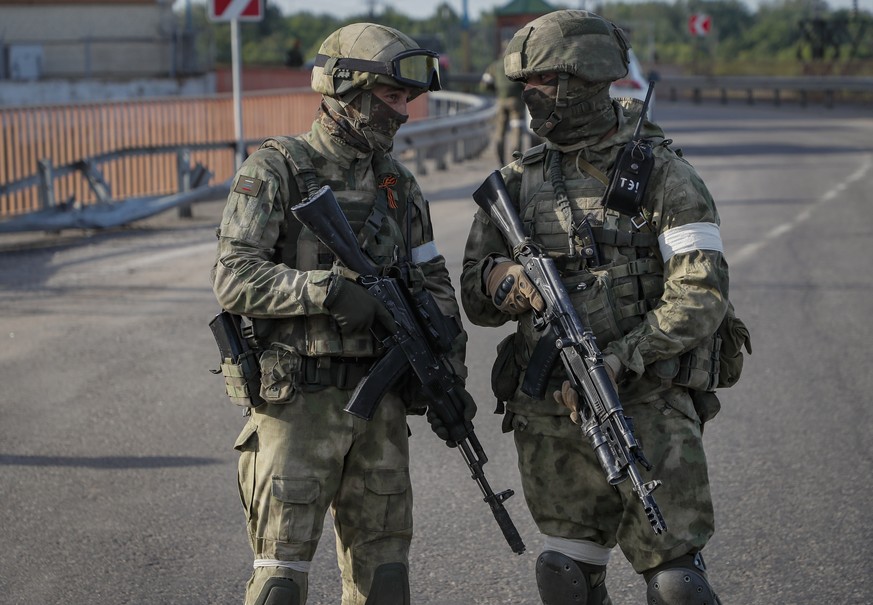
x=459, y=130
x=826, y=89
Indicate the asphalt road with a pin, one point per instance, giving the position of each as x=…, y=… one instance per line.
x=117, y=475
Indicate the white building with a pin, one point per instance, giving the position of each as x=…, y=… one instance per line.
x=58, y=51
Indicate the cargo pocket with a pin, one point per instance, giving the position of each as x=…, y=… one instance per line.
x=387, y=502
x=247, y=445
x=280, y=370
x=293, y=509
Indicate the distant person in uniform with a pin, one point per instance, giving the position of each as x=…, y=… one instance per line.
x=510, y=107
x=294, y=56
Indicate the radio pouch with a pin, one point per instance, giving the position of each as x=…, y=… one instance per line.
x=630, y=175
x=630, y=178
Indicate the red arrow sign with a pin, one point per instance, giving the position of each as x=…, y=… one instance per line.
x=699, y=24
x=243, y=10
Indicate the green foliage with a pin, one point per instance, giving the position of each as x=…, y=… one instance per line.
x=781, y=37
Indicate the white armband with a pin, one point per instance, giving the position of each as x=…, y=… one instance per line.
x=424, y=252
x=690, y=237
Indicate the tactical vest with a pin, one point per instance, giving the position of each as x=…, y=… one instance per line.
x=613, y=293
x=375, y=216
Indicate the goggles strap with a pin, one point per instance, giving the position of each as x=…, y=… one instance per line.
x=332, y=63
x=391, y=68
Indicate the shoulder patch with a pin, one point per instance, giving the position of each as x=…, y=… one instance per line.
x=248, y=185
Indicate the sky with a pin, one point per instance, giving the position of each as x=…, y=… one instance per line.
x=420, y=9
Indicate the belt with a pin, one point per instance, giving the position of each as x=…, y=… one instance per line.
x=340, y=372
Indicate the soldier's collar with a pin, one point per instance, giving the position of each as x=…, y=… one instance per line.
x=332, y=149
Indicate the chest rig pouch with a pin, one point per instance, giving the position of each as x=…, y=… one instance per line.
x=613, y=287
x=376, y=216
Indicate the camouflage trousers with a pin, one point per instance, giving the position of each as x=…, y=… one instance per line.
x=569, y=497
x=300, y=458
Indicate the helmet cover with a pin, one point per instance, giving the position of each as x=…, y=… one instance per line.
x=576, y=42
x=369, y=46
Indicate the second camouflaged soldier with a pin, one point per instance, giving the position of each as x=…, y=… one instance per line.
x=510, y=108
x=300, y=452
x=652, y=287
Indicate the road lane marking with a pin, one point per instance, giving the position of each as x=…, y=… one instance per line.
x=749, y=251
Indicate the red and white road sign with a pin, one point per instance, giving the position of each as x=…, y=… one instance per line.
x=699, y=24
x=242, y=10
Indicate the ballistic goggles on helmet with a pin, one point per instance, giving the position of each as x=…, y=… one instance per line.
x=416, y=68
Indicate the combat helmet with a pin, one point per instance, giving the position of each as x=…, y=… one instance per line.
x=361, y=55
x=575, y=42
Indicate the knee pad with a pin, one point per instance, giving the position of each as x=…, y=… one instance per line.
x=680, y=582
x=563, y=581
x=390, y=585
x=279, y=591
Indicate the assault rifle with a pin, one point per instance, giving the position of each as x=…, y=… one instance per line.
x=602, y=416
x=418, y=347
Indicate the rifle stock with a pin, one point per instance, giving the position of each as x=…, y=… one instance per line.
x=603, y=422
x=418, y=347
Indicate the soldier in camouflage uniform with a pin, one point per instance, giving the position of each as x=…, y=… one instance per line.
x=510, y=108
x=651, y=294
x=300, y=452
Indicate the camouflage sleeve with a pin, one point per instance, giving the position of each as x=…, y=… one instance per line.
x=484, y=244
x=695, y=271
x=246, y=280
x=437, y=280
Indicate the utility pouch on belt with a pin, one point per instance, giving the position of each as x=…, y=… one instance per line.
x=718, y=361
x=239, y=363
x=699, y=368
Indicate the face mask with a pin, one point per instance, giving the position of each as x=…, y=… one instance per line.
x=380, y=126
x=539, y=104
x=588, y=113
x=332, y=117
x=372, y=130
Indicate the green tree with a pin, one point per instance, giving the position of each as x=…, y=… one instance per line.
x=770, y=39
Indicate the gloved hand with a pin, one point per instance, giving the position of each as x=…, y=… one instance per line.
x=436, y=424
x=354, y=308
x=569, y=398
x=511, y=290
